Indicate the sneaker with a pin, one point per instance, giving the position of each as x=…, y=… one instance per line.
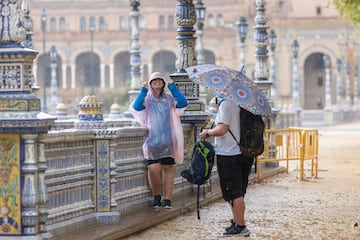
x=167, y=204
x=231, y=226
x=237, y=230
x=157, y=202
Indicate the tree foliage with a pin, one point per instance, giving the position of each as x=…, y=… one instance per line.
x=349, y=9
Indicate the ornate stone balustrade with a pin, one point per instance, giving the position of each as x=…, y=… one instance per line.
x=98, y=175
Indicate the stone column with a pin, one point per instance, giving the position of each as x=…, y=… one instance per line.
x=102, y=75
x=73, y=76
x=64, y=76
x=111, y=74
x=327, y=82
x=42, y=189
x=338, y=85
x=29, y=198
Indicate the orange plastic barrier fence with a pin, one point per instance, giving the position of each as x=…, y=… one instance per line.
x=288, y=145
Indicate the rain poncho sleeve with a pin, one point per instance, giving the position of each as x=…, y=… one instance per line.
x=161, y=116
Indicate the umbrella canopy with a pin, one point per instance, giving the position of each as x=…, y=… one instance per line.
x=231, y=85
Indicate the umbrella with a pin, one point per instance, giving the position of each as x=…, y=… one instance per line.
x=231, y=85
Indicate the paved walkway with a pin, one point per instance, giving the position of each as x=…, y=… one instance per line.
x=283, y=208
x=148, y=217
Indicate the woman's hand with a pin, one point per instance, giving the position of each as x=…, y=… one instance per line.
x=170, y=81
x=146, y=85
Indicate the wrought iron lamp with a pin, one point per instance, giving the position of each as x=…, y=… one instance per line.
x=43, y=29
x=242, y=28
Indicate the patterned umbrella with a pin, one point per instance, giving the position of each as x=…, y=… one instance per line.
x=231, y=85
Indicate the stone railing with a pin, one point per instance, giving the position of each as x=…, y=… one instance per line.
x=98, y=175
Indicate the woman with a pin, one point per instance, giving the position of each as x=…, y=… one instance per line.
x=160, y=112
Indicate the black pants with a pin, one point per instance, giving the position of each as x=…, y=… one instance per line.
x=234, y=175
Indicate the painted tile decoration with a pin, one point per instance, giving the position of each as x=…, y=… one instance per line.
x=10, y=211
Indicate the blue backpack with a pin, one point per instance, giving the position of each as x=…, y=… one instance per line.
x=199, y=171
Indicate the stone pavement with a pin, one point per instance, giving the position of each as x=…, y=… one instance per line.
x=282, y=207
x=147, y=218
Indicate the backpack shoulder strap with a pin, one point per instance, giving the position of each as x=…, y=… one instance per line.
x=238, y=142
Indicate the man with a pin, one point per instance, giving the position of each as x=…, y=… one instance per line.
x=233, y=167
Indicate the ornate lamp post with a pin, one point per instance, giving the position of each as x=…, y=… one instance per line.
x=242, y=28
x=200, y=18
x=296, y=94
x=53, y=85
x=185, y=55
x=92, y=29
x=135, y=58
x=43, y=29
x=272, y=42
x=327, y=82
x=356, y=88
x=347, y=86
x=261, y=52
x=338, y=84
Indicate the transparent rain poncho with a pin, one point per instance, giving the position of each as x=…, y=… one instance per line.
x=165, y=133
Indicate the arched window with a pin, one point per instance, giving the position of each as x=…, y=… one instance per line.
x=93, y=22
x=52, y=24
x=82, y=24
x=161, y=22
x=211, y=22
x=102, y=24
x=122, y=23
x=62, y=24
x=220, y=20
x=171, y=22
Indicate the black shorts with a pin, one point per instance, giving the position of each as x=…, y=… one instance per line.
x=162, y=161
x=234, y=175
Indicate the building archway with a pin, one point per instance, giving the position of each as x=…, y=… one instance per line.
x=122, y=69
x=209, y=57
x=164, y=62
x=43, y=70
x=314, y=82
x=88, y=70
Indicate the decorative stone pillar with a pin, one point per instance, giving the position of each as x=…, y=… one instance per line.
x=29, y=199
x=21, y=122
x=90, y=115
x=42, y=189
x=261, y=67
x=261, y=54
x=135, y=58
x=185, y=54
